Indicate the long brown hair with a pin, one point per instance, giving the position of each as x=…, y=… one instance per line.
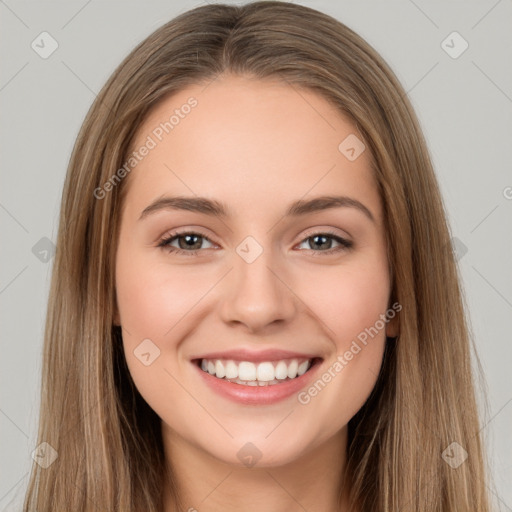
x=108, y=440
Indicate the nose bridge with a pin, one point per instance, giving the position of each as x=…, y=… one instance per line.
x=257, y=296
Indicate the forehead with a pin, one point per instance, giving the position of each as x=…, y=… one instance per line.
x=249, y=142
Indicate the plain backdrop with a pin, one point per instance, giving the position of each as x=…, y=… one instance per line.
x=463, y=97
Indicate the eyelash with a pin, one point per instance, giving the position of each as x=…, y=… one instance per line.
x=164, y=243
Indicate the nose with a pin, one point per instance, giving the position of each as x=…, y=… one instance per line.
x=257, y=294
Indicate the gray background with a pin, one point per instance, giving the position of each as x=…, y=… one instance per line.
x=464, y=105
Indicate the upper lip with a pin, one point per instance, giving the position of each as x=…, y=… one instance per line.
x=241, y=354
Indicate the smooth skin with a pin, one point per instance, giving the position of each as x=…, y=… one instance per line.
x=256, y=146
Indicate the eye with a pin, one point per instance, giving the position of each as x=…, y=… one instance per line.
x=324, y=240
x=188, y=242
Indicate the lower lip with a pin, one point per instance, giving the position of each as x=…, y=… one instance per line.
x=258, y=395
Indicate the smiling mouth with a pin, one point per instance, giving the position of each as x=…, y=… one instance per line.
x=264, y=373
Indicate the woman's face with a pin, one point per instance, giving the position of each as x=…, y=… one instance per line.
x=258, y=279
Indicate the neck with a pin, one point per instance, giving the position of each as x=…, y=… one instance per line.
x=207, y=484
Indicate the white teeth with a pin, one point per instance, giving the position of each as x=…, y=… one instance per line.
x=265, y=372
x=281, y=370
x=254, y=382
x=219, y=369
x=292, y=369
x=301, y=370
x=256, y=374
x=231, y=370
x=246, y=371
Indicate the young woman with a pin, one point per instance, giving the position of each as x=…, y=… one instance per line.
x=254, y=303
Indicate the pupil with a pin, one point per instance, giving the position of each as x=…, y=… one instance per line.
x=324, y=238
x=188, y=239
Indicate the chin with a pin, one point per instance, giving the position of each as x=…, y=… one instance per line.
x=258, y=454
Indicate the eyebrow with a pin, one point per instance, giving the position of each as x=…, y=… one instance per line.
x=217, y=209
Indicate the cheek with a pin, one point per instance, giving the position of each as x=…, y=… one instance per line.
x=152, y=297
x=351, y=309
x=349, y=299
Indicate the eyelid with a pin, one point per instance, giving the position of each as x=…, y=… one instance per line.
x=345, y=244
x=190, y=230
x=335, y=232
x=164, y=240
